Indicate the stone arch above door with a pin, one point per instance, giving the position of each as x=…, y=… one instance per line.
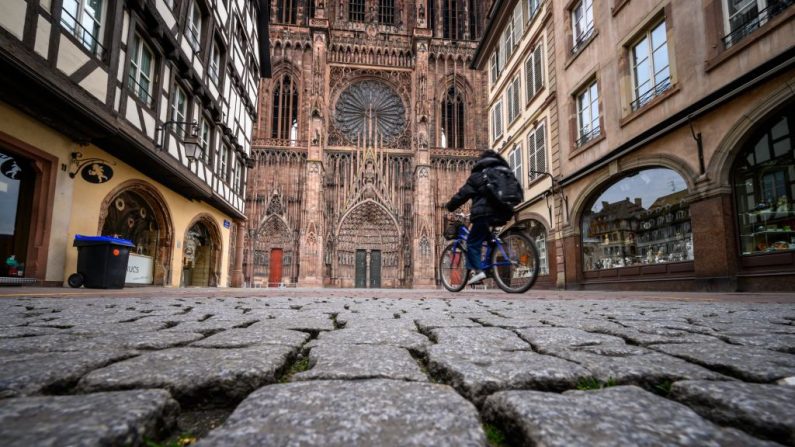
x=210, y=230
x=155, y=202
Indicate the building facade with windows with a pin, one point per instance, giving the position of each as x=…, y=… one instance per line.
x=370, y=123
x=674, y=166
x=518, y=54
x=129, y=119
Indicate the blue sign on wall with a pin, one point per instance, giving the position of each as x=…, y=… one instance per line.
x=227, y=224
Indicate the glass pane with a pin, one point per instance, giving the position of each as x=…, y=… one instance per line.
x=641, y=219
x=779, y=130
x=658, y=37
x=762, y=151
x=660, y=59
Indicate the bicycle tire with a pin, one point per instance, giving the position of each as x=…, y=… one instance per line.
x=446, y=273
x=501, y=272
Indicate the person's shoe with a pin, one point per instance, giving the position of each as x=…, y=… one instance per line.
x=479, y=276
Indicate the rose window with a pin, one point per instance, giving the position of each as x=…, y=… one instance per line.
x=370, y=110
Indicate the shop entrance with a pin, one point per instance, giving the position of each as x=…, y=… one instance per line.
x=201, y=255
x=17, y=185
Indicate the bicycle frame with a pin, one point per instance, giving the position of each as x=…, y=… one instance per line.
x=495, y=241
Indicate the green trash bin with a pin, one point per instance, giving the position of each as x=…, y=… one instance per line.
x=101, y=262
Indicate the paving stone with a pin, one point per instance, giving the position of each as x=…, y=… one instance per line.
x=483, y=338
x=549, y=338
x=361, y=362
x=655, y=336
x=346, y=413
x=190, y=373
x=25, y=331
x=240, y=338
x=307, y=324
x=617, y=416
x=50, y=343
x=31, y=373
x=510, y=323
x=374, y=335
x=117, y=418
x=767, y=411
x=477, y=374
x=773, y=342
x=426, y=324
x=754, y=364
x=649, y=369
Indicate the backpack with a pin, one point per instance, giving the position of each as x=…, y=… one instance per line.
x=502, y=188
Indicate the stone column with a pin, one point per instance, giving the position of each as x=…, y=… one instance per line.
x=237, y=279
x=312, y=236
x=423, y=241
x=715, y=254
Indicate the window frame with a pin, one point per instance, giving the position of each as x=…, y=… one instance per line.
x=515, y=161
x=175, y=114
x=578, y=39
x=215, y=53
x=534, y=77
x=496, y=118
x=94, y=47
x=386, y=12
x=359, y=14
x=533, y=151
x=639, y=100
x=193, y=29
x=592, y=132
x=135, y=73
x=513, y=95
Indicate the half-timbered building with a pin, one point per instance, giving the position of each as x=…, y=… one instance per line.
x=132, y=119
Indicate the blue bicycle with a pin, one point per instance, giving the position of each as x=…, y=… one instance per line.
x=511, y=259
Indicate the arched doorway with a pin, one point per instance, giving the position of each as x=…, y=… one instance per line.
x=136, y=211
x=17, y=185
x=275, y=247
x=201, y=254
x=368, y=248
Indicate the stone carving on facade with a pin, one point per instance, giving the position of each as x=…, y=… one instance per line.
x=363, y=196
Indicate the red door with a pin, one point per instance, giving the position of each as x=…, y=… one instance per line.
x=275, y=275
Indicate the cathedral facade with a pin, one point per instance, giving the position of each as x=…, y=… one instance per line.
x=370, y=123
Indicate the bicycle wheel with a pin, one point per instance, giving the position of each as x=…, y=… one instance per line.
x=515, y=263
x=452, y=266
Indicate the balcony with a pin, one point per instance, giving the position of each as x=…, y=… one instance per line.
x=750, y=18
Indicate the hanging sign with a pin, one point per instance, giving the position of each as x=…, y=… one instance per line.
x=96, y=172
x=9, y=167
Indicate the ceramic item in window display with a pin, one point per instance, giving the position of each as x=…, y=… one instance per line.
x=782, y=207
x=780, y=245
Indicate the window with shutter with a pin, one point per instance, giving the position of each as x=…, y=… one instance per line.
x=532, y=166
x=518, y=24
x=536, y=152
x=538, y=69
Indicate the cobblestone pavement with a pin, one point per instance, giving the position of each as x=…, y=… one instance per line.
x=346, y=370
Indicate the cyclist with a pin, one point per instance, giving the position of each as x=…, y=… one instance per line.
x=483, y=213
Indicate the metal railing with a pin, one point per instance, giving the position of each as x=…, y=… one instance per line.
x=588, y=136
x=751, y=20
x=582, y=39
x=86, y=37
x=651, y=93
x=140, y=92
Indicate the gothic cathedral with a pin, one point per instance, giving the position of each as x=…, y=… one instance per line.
x=370, y=123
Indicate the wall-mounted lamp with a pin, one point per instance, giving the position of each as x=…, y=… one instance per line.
x=193, y=149
x=559, y=192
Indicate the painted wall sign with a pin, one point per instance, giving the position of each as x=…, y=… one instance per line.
x=96, y=172
x=9, y=167
x=140, y=270
x=227, y=224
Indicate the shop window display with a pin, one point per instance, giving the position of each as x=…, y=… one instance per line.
x=764, y=187
x=643, y=218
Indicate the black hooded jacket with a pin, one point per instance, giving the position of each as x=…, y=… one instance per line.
x=474, y=189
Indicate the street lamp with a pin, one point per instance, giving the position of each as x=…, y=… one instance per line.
x=193, y=148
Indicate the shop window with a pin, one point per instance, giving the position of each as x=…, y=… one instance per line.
x=131, y=217
x=764, y=182
x=641, y=219
x=538, y=234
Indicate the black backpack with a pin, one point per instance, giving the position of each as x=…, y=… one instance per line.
x=502, y=188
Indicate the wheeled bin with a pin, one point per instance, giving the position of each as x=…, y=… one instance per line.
x=101, y=262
